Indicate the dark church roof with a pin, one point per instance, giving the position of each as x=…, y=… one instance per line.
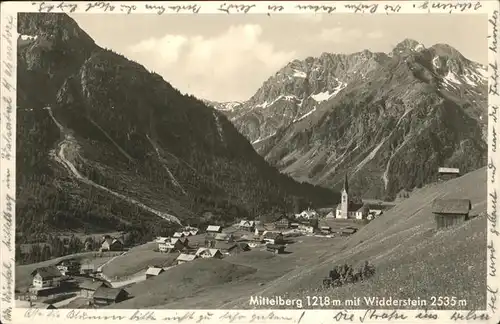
x=346, y=184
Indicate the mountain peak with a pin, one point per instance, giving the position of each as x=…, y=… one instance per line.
x=408, y=44
x=52, y=26
x=446, y=50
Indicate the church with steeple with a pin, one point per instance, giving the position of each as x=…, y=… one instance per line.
x=347, y=209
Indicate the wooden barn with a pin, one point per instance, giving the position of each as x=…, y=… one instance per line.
x=275, y=248
x=154, y=271
x=88, y=288
x=448, y=173
x=450, y=212
x=104, y=296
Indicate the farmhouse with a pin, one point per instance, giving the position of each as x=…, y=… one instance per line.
x=448, y=173
x=282, y=222
x=88, y=288
x=47, y=277
x=111, y=244
x=178, y=234
x=208, y=253
x=214, y=229
x=175, y=244
x=193, y=231
x=224, y=237
x=306, y=228
x=307, y=214
x=183, y=258
x=348, y=209
x=68, y=267
x=450, y=212
x=247, y=225
x=104, y=296
x=276, y=248
x=273, y=237
x=153, y=272
x=86, y=269
x=251, y=239
x=162, y=239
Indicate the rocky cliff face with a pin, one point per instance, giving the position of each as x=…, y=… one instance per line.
x=105, y=144
x=389, y=120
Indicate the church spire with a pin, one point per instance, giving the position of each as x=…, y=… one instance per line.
x=346, y=185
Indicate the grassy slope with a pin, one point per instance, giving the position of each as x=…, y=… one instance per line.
x=136, y=260
x=183, y=281
x=140, y=257
x=411, y=258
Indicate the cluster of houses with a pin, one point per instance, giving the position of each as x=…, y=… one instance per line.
x=66, y=277
x=218, y=244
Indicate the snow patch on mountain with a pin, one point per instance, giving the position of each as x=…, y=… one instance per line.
x=436, y=63
x=305, y=115
x=452, y=77
x=322, y=96
x=299, y=74
x=263, y=139
x=419, y=47
x=266, y=103
x=28, y=37
x=326, y=95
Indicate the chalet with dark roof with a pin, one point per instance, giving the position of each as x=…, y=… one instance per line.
x=448, y=173
x=89, y=287
x=450, y=212
x=111, y=244
x=104, y=296
x=275, y=248
x=68, y=267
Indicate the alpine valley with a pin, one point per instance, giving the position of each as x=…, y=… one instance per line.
x=388, y=120
x=103, y=144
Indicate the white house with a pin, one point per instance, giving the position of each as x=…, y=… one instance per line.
x=208, y=253
x=178, y=234
x=307, y=214
x=162, y=239
x=153, y=272
x=306, y=228
x=245, y=224
x=47, y=277
x=214, y=229
x=183, y=258
x=175, y=244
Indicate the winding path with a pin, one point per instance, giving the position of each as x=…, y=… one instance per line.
x=69, y=146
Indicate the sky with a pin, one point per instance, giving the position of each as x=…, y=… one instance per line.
x=228, y=57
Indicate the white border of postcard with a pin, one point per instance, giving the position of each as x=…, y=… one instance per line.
x=9, y=10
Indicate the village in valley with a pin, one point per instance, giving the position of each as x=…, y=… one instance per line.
x=102, y=278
